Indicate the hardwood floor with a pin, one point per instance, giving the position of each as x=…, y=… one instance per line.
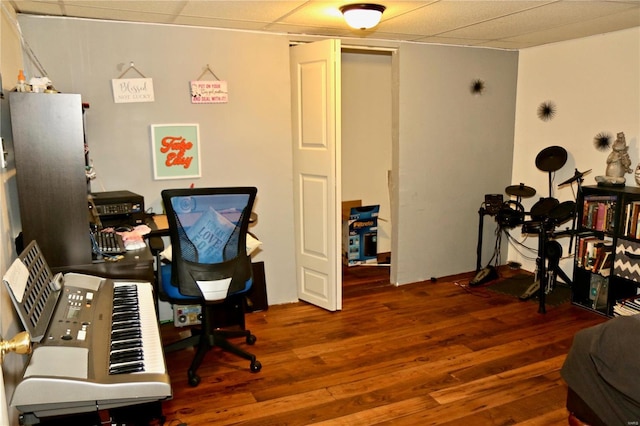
x=429, y=353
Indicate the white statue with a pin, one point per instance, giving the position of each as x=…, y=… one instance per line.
x=618, y=163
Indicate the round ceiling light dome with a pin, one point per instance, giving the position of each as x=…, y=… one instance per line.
x=362, y=16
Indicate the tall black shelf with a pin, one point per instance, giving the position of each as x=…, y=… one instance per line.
x=604, y=226
x=48, y=140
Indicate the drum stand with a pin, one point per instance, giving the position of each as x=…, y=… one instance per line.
x=554, y=253
x=543, y=278
x=546, y=274
x=552, y=250
x=548, y=160
x=489, y=273
x=578, y=178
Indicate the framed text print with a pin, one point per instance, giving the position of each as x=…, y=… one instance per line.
x=176, y=151
x=209, y=92
x=128, y=90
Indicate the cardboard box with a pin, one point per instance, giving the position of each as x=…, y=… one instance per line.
x=359, y=233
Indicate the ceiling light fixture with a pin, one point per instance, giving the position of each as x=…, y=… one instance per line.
x=362, y=16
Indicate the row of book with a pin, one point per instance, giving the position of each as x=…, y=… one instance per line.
x=630, y=306
x=595, y=254
x=631, y=219
x=599, y=212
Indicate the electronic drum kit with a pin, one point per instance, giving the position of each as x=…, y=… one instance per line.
x=546, y=214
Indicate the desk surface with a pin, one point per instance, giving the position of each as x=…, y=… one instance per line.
x=160, y=222
x=135, y=265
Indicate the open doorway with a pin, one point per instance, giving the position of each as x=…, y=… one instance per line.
x=366, y=154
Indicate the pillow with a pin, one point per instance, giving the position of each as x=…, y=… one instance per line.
x=252, y=245
x=210, y=234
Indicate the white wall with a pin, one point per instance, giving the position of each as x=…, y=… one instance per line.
x=446, y=134
x=10, y=62
x=366, y=134
x=595, y=84
x=244, y=142
x=454, y=147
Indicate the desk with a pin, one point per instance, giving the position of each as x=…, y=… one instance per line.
x=135, y=265
x=159, y=225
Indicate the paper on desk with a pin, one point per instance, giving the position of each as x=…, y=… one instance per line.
x=16, y=279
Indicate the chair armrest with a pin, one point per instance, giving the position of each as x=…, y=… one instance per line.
x=156, y=245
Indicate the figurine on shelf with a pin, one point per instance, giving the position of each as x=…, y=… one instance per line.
x=618, y=163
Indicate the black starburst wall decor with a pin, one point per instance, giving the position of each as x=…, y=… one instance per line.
x=477, y=87
x=546, y=111
x=602, y=141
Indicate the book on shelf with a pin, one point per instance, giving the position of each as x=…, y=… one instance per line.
x=628, y=306
x=598, y=212
x=632, y=303
x=622, y=310
x=607, y=262
x=631, y=219
x=592, y=253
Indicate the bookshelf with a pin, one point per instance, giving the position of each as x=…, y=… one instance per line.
x=48, y=142
x=607, y=252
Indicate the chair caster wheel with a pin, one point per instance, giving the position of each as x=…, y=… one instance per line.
x=256, y=366
x=251, y=339
x=194, y=380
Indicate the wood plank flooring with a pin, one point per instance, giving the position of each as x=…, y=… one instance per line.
x=429, y=353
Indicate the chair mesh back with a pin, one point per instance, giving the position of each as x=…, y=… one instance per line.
x=208, y=228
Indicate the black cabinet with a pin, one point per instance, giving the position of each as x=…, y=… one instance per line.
x=48, y=141
x=607, y=252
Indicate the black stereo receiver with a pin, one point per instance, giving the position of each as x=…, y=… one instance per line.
x=116, y=208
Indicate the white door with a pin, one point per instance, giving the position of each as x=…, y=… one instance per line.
x=315, y=81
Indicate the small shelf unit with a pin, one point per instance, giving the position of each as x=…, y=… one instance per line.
x=607, y=250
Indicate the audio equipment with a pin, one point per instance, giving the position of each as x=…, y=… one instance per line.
x=184, y=315
x=116, y=208
x=510, y=217
x=492, y=203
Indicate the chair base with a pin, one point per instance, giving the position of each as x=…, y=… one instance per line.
x=206, y=338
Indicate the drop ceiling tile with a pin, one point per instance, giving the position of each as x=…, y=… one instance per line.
x=327, y=13
x=148, y=6
x=441, y=17
x=199, y=21
x=615, y=22
x=537, y=19
x=117, y=15
x=256, y=11
x=308, y=30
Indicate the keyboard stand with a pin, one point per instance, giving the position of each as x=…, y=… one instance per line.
x=143, y=414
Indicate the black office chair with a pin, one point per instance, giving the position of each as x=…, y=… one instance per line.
x=209, y=264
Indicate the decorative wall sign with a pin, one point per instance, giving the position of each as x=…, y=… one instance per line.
x=128, y=90
x=176, y=151
x=209, y=92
